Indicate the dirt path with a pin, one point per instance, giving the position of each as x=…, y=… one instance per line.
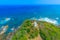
x=37, y=38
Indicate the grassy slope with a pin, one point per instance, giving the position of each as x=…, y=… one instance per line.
x=47, y=31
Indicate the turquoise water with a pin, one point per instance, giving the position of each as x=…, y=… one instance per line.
x=21, y=12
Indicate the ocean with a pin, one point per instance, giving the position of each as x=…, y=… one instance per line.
x=19, y=13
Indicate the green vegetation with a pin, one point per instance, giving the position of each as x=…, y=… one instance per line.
x=26, y=31
x=47, y=31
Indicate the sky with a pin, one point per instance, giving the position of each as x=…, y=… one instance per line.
x=23, y=2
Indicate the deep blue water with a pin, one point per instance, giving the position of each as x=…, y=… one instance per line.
x=20, y=12
x=29, y=11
